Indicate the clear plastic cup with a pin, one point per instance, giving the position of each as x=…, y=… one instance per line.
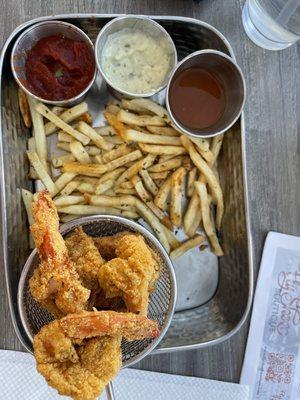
x=272, y=24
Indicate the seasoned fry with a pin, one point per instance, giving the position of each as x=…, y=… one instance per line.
x=165, y=158
x=144, y=163
x=118, y=126
x=116, y=153
x=42, y=173
x=86, y=209
x=149, y=183
x=162, y=150
x=58, y=110
x=137, y=136
x=60, y=160
x=164, y=191
x=201, y=143
x=121, y=161
x=216, y=144
x=64, y=179
x=79, y=152
x=192, y=216
x=192, y=177
x=206, y=218
x=102, y=187
x=69, y=188
x=111, y=175
x=86, y=117
x=98, y=140
x=24, y=108
x=91, y=150
x=125, y=191
x=59, y=122
x=163, y=130
x=31, y=147
x=63, y=201
x=209, y=176
x=139, y=120
x=186, y=246
x=112, y=108
x=64, y=218
x=27, y=197
x=85, y=169
x=67, y=116
x=127, y=105
x=145, y=104
x=114, y=140
x=64, y=137
x=106, y=130
x=38, y=132
x=142, y=209
x=166, y=165
x=176, y=196
x=126, y=185
x=86, y=187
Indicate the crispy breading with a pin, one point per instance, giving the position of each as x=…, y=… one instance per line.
x=107, y=244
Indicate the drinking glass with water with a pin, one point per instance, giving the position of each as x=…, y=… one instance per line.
x=272, y=24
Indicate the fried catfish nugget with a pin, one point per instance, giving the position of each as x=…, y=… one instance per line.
x=80, y=353
x=132, y=274
x=55, y=283
x=85, y=256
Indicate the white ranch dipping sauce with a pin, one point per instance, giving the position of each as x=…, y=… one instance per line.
x=136, y=62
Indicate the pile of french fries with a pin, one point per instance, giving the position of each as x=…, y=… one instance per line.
x=137, y=166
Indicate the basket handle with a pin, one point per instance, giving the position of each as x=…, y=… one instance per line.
x=109, y=389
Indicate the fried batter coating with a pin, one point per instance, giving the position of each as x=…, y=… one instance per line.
x=107, y=244
x=85, y=256
x=132, y=274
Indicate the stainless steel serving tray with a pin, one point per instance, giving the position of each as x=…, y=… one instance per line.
x=224, y=308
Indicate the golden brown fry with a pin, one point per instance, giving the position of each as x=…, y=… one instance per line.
x=98, y=140
x=141, y=105
x=85, y=169
x=31, y=147
x=162, y=150
x=113, y=175
x=67, y=116
x=166, y=165
x=176, y=196
x=42, y=173
x=201, y=143
x=24, y=108
x=186, y=246
x=59, y=122
x=126, y=185
x=216, y=144
x=64, y=179
x=209, y=176
x=141, y=137
x=64, y=137
x=144, y=163
x=86, y=187
x=163, y=130
x=161, y=199
x=115, y=123
x=102, y=187
x=58, y=110
x=87, y=209
x=114, y=140
x=192, y=216
x=206, y=218
x=70, y=187
x=63, y=201
x=106, y=130
x=149, y=183
x=125, y=191
x=79, y=152
x=139, y=120
x=192, y=177
x=120, y=151
x=60, y=160
x=112, y=108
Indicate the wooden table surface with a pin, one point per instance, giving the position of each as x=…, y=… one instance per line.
x=271, y=115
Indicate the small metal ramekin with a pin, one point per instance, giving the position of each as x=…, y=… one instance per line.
x=26, y=41
x=232, y=79
x=143, y=23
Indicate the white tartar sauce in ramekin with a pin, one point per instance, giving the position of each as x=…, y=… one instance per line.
x=136, y=62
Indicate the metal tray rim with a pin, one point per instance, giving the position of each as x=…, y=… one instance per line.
x=245, y=185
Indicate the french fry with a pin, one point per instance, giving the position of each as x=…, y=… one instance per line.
x=27, y=197
x=117, y=125
x=60, y=160
x=209, y=176
x=139, y=120
x=93, y=135
x=86, y=209
x=79, y=152
x=42, y=173
x=64, y=137
x=186, y=246
x=112, y=108
x=161, y=199
x=192, y=177
x=163, y=130
x=148, y=181
x=216, y=144
x=24, y=108
x=201, y=143
x=206, y=218
x=70, y=187
x=102, y=187
x=64, y=218
x=113, y=175
x=86, y=187
x=91, y=150
x=145, y=104
x=106, y=130
x=64, y=179
x=142, y=209
x=121, y=161
x=166, y=165
x=137, y=136
x=58, y=110
x=38, y=132
x=114, y=140
x=192, y=216
x=125, y=191
x=63, y=201
x=144, y=163
x=31, y=147
x=162, y=150
x=127, y=105
x=67, y=116
x=59, y=122
x=86, y=117
x=176, y=196
x=85, y=169
x=165, y=158
x=127, y=185
x=116, y=153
